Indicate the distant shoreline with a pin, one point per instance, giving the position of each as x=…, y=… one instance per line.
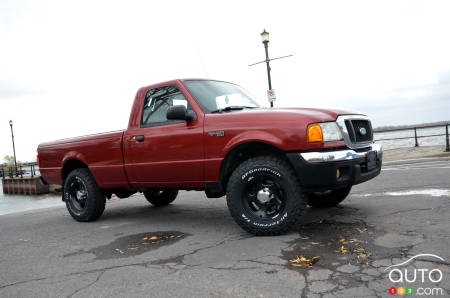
x=401, y=127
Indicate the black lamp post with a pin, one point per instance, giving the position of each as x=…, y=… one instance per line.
x=265, y=41
x=14, y=148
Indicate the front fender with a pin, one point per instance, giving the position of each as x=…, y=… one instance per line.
x=252, y=136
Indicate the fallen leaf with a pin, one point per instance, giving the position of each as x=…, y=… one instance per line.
x=305, y=237
x=361, y=230
x=343, y=250
x=145, y=238
x=133, y=248
x=314, y=243
x=26, y=240
x=302, y=261
x=153, y=238
x=119, y=250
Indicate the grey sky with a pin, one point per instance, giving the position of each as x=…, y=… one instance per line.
x=72, y=67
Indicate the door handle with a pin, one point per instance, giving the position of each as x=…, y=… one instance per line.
x=139, y=138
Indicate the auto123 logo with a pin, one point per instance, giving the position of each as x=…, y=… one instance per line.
x=416, y=281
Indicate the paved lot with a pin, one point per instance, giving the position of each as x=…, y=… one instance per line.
x=193, y=247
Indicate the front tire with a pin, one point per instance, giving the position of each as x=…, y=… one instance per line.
x=264, y=196
x=160, y=197
x=329, y=198
x=85, y=201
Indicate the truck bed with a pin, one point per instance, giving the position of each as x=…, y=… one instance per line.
x=102, y=152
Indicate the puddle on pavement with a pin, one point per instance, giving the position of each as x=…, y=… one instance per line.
x=325, y=244
x=133, y=245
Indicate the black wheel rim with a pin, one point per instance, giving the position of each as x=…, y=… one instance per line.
x=264, y=196
x=76, y=195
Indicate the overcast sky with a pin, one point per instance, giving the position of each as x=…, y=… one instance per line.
x=70, y=68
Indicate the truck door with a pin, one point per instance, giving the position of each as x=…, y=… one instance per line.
x=162, y=152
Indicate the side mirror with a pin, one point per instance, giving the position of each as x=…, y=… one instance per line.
x=180, y=113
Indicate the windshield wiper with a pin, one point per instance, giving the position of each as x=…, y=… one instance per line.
x=232, y=108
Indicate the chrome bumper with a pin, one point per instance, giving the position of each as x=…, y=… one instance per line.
x=317, y=157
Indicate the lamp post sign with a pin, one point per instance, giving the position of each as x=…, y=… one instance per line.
x=271, y=95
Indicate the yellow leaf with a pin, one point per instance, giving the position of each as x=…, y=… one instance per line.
x=145, y=238
x=302, y=261
x=343, y=249
x=153, y=238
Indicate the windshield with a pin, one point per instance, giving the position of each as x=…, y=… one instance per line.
x=216, y=96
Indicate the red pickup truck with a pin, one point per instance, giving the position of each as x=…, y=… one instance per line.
x=213, y=136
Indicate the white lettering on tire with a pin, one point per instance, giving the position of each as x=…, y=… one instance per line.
x=264, y=169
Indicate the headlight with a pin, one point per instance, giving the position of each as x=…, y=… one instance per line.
x=324, y=132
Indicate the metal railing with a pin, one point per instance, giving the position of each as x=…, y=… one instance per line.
x=416, y=137
x=24, y=170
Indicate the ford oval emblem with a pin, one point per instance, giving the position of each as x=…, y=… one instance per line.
x=362, y=131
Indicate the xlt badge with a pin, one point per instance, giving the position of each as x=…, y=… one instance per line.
x=217, y=133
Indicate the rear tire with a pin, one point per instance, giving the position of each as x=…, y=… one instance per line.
x=160, y=197
x=329, y=198
x=85, y=201
x=264, y=196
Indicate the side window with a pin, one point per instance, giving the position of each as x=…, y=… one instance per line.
x=156, y=103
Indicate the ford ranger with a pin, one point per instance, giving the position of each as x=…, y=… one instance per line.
x=213, y=136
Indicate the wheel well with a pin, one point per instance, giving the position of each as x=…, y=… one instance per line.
x=243, y=152
x=71, y=165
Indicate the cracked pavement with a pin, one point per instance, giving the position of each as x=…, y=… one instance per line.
x=45, y=253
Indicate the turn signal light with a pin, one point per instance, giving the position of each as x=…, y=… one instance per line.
x=315, y=133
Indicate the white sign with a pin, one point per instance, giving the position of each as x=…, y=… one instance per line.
x=271, y=95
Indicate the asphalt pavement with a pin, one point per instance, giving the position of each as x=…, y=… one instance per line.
x=193, y=248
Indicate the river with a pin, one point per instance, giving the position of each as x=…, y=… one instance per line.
x=20, y=203
x=428, y=141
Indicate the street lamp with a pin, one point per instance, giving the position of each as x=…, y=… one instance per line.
x=14, y=148
x=265, y=41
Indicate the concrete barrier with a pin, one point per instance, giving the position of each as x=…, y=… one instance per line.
x=26, y=186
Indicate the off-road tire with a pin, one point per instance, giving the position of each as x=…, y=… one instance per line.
x=160, y=197
x=281, y=173
x=95, y=199
x=329, y=198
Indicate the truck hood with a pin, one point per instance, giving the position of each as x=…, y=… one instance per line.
x=311, y=114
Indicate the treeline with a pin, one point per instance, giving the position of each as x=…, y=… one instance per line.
x=423, y=125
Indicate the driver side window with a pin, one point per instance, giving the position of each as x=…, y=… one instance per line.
x=156, y=103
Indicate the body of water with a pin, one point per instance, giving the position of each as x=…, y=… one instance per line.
x=19, y=203
x=427, y=141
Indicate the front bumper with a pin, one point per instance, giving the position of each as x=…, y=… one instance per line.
x=318, y=170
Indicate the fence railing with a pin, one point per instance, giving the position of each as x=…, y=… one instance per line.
x=24, y=170
x=416, y=137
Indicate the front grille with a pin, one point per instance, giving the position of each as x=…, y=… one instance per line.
x=359, y=131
